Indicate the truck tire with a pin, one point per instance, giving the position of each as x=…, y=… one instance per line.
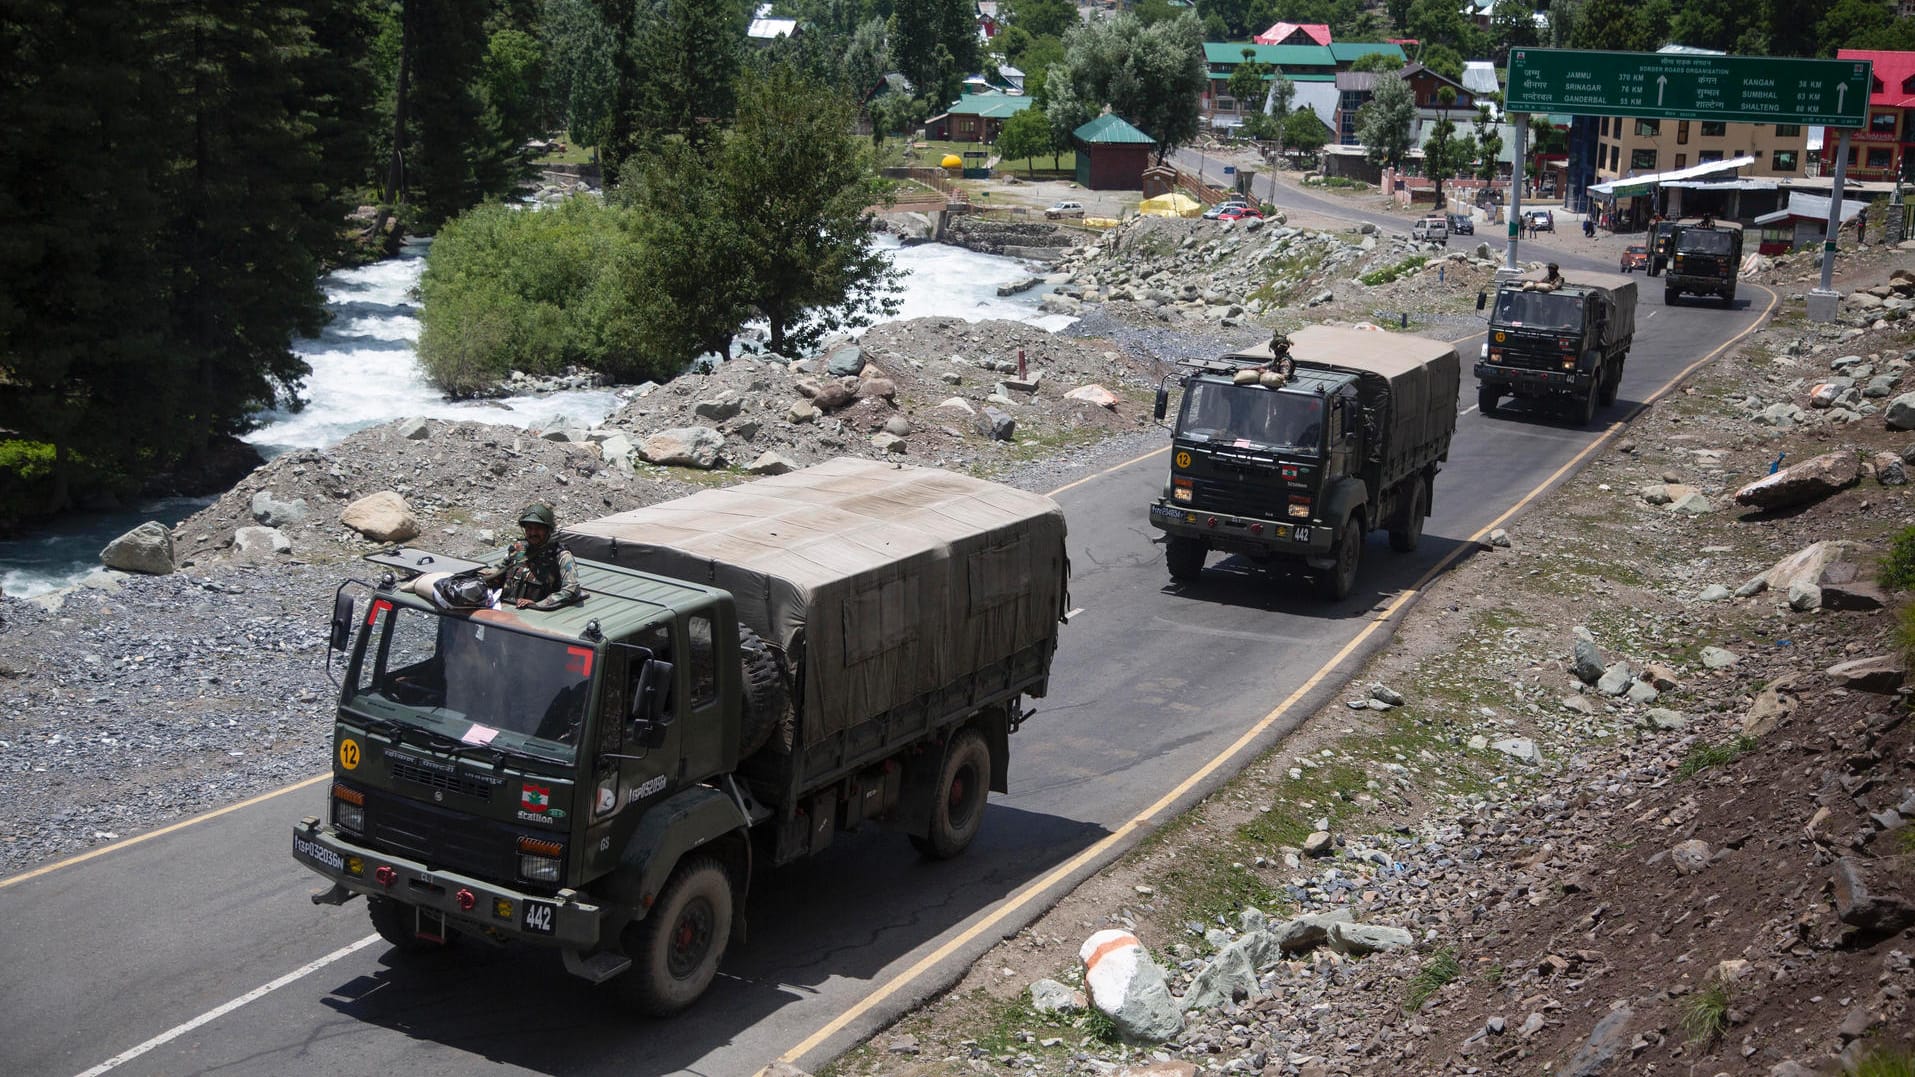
x=1337, y=583
x=958, y=811
x=1585, y=405
x=1612, y=380
x=394, y=921
x=1669, y=296
x=675, y=951
x=767, y=706
x=1184, y=556
x=1409, y=530
x=1487, y=399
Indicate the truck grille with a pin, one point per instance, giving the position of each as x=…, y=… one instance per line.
x=442, y=840
x=1237, y=498
x=405, y=771
x=1523, y=360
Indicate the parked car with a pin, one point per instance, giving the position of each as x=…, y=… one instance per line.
x=1238, y=213
x=1636, y=257
x=1061, y=210
x=1461, y=225
x=1542, y=220
x=1217, y=211
x=1432, y=229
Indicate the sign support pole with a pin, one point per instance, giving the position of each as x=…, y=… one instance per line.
x=1822, y=301
x=1518, y=175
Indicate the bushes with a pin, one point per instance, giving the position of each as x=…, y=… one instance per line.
x=1898, y=565
x=1390, y=273
x=509, y=290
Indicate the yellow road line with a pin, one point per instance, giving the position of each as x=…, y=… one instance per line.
x=151, y=834
x=1029, y=892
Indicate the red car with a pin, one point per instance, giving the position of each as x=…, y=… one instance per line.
x=1636, y=257
x=1238, y=213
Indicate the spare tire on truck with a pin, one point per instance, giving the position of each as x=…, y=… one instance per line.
x=767, y=703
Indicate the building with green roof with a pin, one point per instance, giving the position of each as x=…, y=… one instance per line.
x=1111, y=154
x=975, y=117
x=1299, y=63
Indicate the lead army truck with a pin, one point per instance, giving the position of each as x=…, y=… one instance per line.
x=1299, y=472
x=1567, y=345
x=752, y=670
x=1704, y=260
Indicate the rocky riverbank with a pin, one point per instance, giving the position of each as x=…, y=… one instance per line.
x=1633, y=791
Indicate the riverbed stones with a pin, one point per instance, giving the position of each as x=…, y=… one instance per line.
x=147, y=549
x=1049, y=996
x=270, y=511
x=771, y=462
x=1361, y=939
x=414, y=429
x=685, y=446
x=845, y=361
x=1690, y=856
x=384, y=516
x=1126, y=984
x=1809, y=481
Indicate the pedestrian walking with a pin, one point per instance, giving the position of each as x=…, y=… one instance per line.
x=1861, y=229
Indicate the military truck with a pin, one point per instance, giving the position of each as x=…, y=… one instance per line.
x=1704, y=261
x=1662, y=246
x=1566, y=345
x=751, y=670
x=1293, y=459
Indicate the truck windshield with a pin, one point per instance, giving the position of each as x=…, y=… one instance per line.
x=1252, y=415
x=1704, y=241
x=473, y=680
x=1551, y=311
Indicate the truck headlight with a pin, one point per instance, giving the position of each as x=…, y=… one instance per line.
x=1299, y=507
x=1181, y=493
x=348, y=809
x=539, y=860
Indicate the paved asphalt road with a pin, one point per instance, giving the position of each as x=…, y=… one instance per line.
x=180, y=937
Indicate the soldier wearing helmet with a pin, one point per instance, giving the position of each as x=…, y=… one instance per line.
x=537, y=573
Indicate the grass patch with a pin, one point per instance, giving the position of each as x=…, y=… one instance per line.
x=1441, y=968
x=1886, y=1062
x=1706, y=1014
x=1704, y=756
x=1898, y=564
x=1395, y=272
x=1905, y=841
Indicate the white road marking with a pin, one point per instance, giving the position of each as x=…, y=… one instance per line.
x=217, y=1012
x=1068, y=614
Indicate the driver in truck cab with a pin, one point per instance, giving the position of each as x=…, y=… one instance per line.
x=537, y=573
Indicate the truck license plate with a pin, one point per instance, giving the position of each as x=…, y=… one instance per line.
x=538, y=916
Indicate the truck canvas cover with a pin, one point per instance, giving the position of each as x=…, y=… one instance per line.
x=1409, y=382
x=1623, y=325
x=882, y=583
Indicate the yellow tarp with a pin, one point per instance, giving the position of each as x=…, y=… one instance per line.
x=1174, y=204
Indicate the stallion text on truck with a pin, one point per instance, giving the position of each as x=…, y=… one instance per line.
x=1704, y=261
x=1567, y=344
x=1297, y=469
x=752, y=669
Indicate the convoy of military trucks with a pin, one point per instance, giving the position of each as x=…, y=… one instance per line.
x=756, y=668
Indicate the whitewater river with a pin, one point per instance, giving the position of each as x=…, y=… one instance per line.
x=365, y=371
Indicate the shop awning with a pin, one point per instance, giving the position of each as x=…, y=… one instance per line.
x=1635, y=185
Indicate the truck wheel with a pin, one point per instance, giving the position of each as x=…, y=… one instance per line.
x=1586, y=404
x=1612, y=380
x=1669, y=297
x=394, y=921
x=675, y=951
x=963, y=784
x=1487, y=399
x=1405, y=536
x=1185, y=557
x=1340, y=580
x=767, y=702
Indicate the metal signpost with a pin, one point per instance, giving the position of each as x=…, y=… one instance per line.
x=1689, y=86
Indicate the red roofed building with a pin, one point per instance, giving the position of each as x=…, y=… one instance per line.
x=1295, y=33
x=1878, y=149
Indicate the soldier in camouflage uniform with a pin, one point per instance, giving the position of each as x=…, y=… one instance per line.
x=537, y=573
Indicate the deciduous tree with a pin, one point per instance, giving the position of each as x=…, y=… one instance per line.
x=1151, y=76
x=1383, y=123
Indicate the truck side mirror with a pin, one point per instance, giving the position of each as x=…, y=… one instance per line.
x=1162, y=406
x=341, y=622
x=1482, y=300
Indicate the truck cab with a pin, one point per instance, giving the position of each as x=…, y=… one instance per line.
x=1704, y=260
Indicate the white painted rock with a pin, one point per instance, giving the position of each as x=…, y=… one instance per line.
x=1128, y=987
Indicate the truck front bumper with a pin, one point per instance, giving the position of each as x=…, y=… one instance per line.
x=1533, y=382
x=475, y=904
x=1245, y=534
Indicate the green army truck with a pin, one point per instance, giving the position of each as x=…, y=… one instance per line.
x=1295, y=467
x=751, y=670
x=1704, y=261
x=1566, y=344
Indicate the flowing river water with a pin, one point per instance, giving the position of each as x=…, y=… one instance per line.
x=365, y=371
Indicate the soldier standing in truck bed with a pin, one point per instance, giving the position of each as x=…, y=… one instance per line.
x=537, y=573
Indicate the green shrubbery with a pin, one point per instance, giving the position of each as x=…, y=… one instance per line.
x=1898, y=565
x=1393, y=272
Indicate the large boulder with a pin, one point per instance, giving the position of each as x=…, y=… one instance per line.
x=1360, y=939
x=1805, y=566
x=1094, y=394
x=254, y=542
x=1126, y=984
x=845, y=361
x=1811, y=480
x=1881, y=673
x=684, y=446
x=270, y=511
x=1231, y=976
x=382, y=517
x=1900, y=414
x=997, y=425
x=720, y=407
x=147, y=549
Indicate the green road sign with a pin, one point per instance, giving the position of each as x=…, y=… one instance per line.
x=1686, y=86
